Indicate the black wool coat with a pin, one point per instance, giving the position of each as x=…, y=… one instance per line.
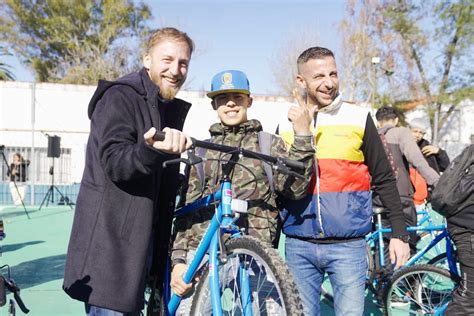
x=126, y=199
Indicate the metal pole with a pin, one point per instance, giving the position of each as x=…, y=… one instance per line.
x=375, y=61
x=33, y=156
x=435, y=128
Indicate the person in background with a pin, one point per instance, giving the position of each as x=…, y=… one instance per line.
x=436, y=157
x=402, y=152
x=122, y=222
x=18, y=177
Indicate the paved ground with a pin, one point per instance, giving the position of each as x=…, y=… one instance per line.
x=35, y=249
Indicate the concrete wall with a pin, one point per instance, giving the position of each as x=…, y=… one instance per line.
x=61, y=109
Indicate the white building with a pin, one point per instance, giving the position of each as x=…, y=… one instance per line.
x=29, y=112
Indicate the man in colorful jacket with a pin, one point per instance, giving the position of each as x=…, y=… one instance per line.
x=326, y=229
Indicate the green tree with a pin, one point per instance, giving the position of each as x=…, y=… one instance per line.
x=429, y=47
x=74, y=41
x=5, y=72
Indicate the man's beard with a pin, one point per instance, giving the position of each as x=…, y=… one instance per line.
x=168, y=93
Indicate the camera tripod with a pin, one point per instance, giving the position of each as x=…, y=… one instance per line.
x=50, y=193
x=14, y=182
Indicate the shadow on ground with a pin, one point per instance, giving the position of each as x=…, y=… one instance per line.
x=14, y=247
x=39, y=271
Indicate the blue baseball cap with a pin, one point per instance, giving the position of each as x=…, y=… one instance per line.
x=229, y=81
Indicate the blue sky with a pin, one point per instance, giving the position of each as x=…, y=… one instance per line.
x=240, y=34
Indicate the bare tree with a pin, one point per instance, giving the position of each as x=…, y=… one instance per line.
x=427, y=43
x=283, y=62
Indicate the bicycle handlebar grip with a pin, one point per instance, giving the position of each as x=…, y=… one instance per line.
x=159, y=136
x=297, y=166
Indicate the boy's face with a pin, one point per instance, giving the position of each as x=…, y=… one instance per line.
x=232, y=107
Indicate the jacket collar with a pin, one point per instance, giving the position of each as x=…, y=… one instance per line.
x=243, y=128
x=334, y=106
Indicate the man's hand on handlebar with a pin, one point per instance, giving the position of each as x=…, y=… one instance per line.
x=174, y=142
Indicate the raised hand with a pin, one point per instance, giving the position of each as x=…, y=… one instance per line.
x=301, y=115
x=175, y=141
x=430, y=150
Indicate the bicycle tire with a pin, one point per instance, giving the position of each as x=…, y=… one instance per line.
x=424, y=239
x=418, y=289
x=326, y=289
x=441, y=261
x=260, y=259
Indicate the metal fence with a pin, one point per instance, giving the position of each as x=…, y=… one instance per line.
x=40, y=173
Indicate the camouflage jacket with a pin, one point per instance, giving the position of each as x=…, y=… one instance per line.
x=261, y=220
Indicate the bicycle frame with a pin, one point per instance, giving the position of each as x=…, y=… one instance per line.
x=222, y=222
x=377, y=236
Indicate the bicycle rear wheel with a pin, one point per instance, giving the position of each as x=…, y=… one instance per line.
x=272, y=288
x=418, y=290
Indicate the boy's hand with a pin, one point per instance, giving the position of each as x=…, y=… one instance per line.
x=301, y=115
x=175, y=141
x=177, y=284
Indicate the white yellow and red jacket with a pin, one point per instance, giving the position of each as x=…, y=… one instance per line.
x=350, y=158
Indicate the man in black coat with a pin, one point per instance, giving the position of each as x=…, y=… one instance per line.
x=123, y=215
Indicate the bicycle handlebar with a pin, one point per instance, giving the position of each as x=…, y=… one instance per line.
x=297, y=166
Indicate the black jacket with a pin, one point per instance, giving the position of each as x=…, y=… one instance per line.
x=438, y=162
x=126, y=198
x=18, y=172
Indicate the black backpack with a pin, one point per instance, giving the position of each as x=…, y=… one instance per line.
x=455, y=187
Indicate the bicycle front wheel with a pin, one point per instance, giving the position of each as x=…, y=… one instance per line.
x=419, y=290
x=272, y=288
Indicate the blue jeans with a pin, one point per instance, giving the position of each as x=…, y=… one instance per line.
x=92, y=310
x=346, y=265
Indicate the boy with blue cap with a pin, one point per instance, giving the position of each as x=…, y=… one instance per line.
x=230, y=94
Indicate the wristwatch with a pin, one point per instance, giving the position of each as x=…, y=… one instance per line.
x=404, y=238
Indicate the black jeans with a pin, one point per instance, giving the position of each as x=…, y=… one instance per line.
x=463, y=297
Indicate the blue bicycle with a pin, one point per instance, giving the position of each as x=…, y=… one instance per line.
x=396, y=291
x=241, y=276
x=416, y=289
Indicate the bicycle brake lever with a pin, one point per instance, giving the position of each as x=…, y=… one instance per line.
x=12, y=287
x=193, y=158
x=222, y=252
x=284, y=169
x=296, y=175
x=173, y=161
